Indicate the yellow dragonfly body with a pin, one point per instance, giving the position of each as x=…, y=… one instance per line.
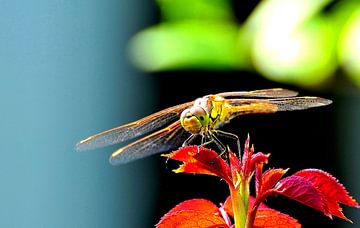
x=201, y=117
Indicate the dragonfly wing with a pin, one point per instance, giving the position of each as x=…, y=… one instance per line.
x=299, y=103
x=266, y=93
x=133, y=129
x=159, y=141
x=258, y=106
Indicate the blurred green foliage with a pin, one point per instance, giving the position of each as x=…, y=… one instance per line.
x=289, y=41
x=178, y=10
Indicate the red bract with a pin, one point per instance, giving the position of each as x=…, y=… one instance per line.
x=250, y=160
x=312, y=187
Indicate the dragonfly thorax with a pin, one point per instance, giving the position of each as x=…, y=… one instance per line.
x=194, y=120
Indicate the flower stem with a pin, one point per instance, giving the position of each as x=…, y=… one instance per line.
x=238, y=207
x=245, y=191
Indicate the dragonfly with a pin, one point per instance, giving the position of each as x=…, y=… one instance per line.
x=180, y=125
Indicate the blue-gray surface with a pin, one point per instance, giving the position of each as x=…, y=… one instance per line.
x=63, y=77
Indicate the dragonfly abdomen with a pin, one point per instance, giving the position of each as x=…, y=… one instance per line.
x=245, y=108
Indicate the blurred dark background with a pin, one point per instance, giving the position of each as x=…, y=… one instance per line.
x=70, y=69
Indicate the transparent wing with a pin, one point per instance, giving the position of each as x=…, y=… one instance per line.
x=255, y=106
x=266, y=93
x=159, y=141
x=133, y=129
x=299, y=103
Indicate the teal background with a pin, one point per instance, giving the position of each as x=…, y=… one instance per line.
x=64, y=76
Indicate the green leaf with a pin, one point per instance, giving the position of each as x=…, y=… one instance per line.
x=178, y=10
x=188, y=45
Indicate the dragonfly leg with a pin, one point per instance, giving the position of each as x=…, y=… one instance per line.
x=221, y=146
x=231, y=136
x=218, y=143
x=206, y=140
x=189, y=140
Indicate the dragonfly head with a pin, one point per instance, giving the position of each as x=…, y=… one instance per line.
x=194, y=119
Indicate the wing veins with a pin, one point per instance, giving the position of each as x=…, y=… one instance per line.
x=133, y=129
x=257, y=106
x=265, y=93
x=156, y=142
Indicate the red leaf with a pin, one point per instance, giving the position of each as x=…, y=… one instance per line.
x=228, y=206
x=331, y=190
x=317, y=189
x=193, y=213
x=202, y=161
x=184, y=154
x=270, y=177
x=301, y=190
x=269, y=218
x=328, y=185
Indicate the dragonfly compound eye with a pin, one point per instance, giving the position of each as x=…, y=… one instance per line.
x=193, y=119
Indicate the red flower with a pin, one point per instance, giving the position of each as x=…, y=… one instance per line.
x=312, y=187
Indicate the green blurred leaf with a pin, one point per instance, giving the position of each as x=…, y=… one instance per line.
x=349, y=39
x=305, y=57
x=292, y=42
x=178, y=10
x=188, y=44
